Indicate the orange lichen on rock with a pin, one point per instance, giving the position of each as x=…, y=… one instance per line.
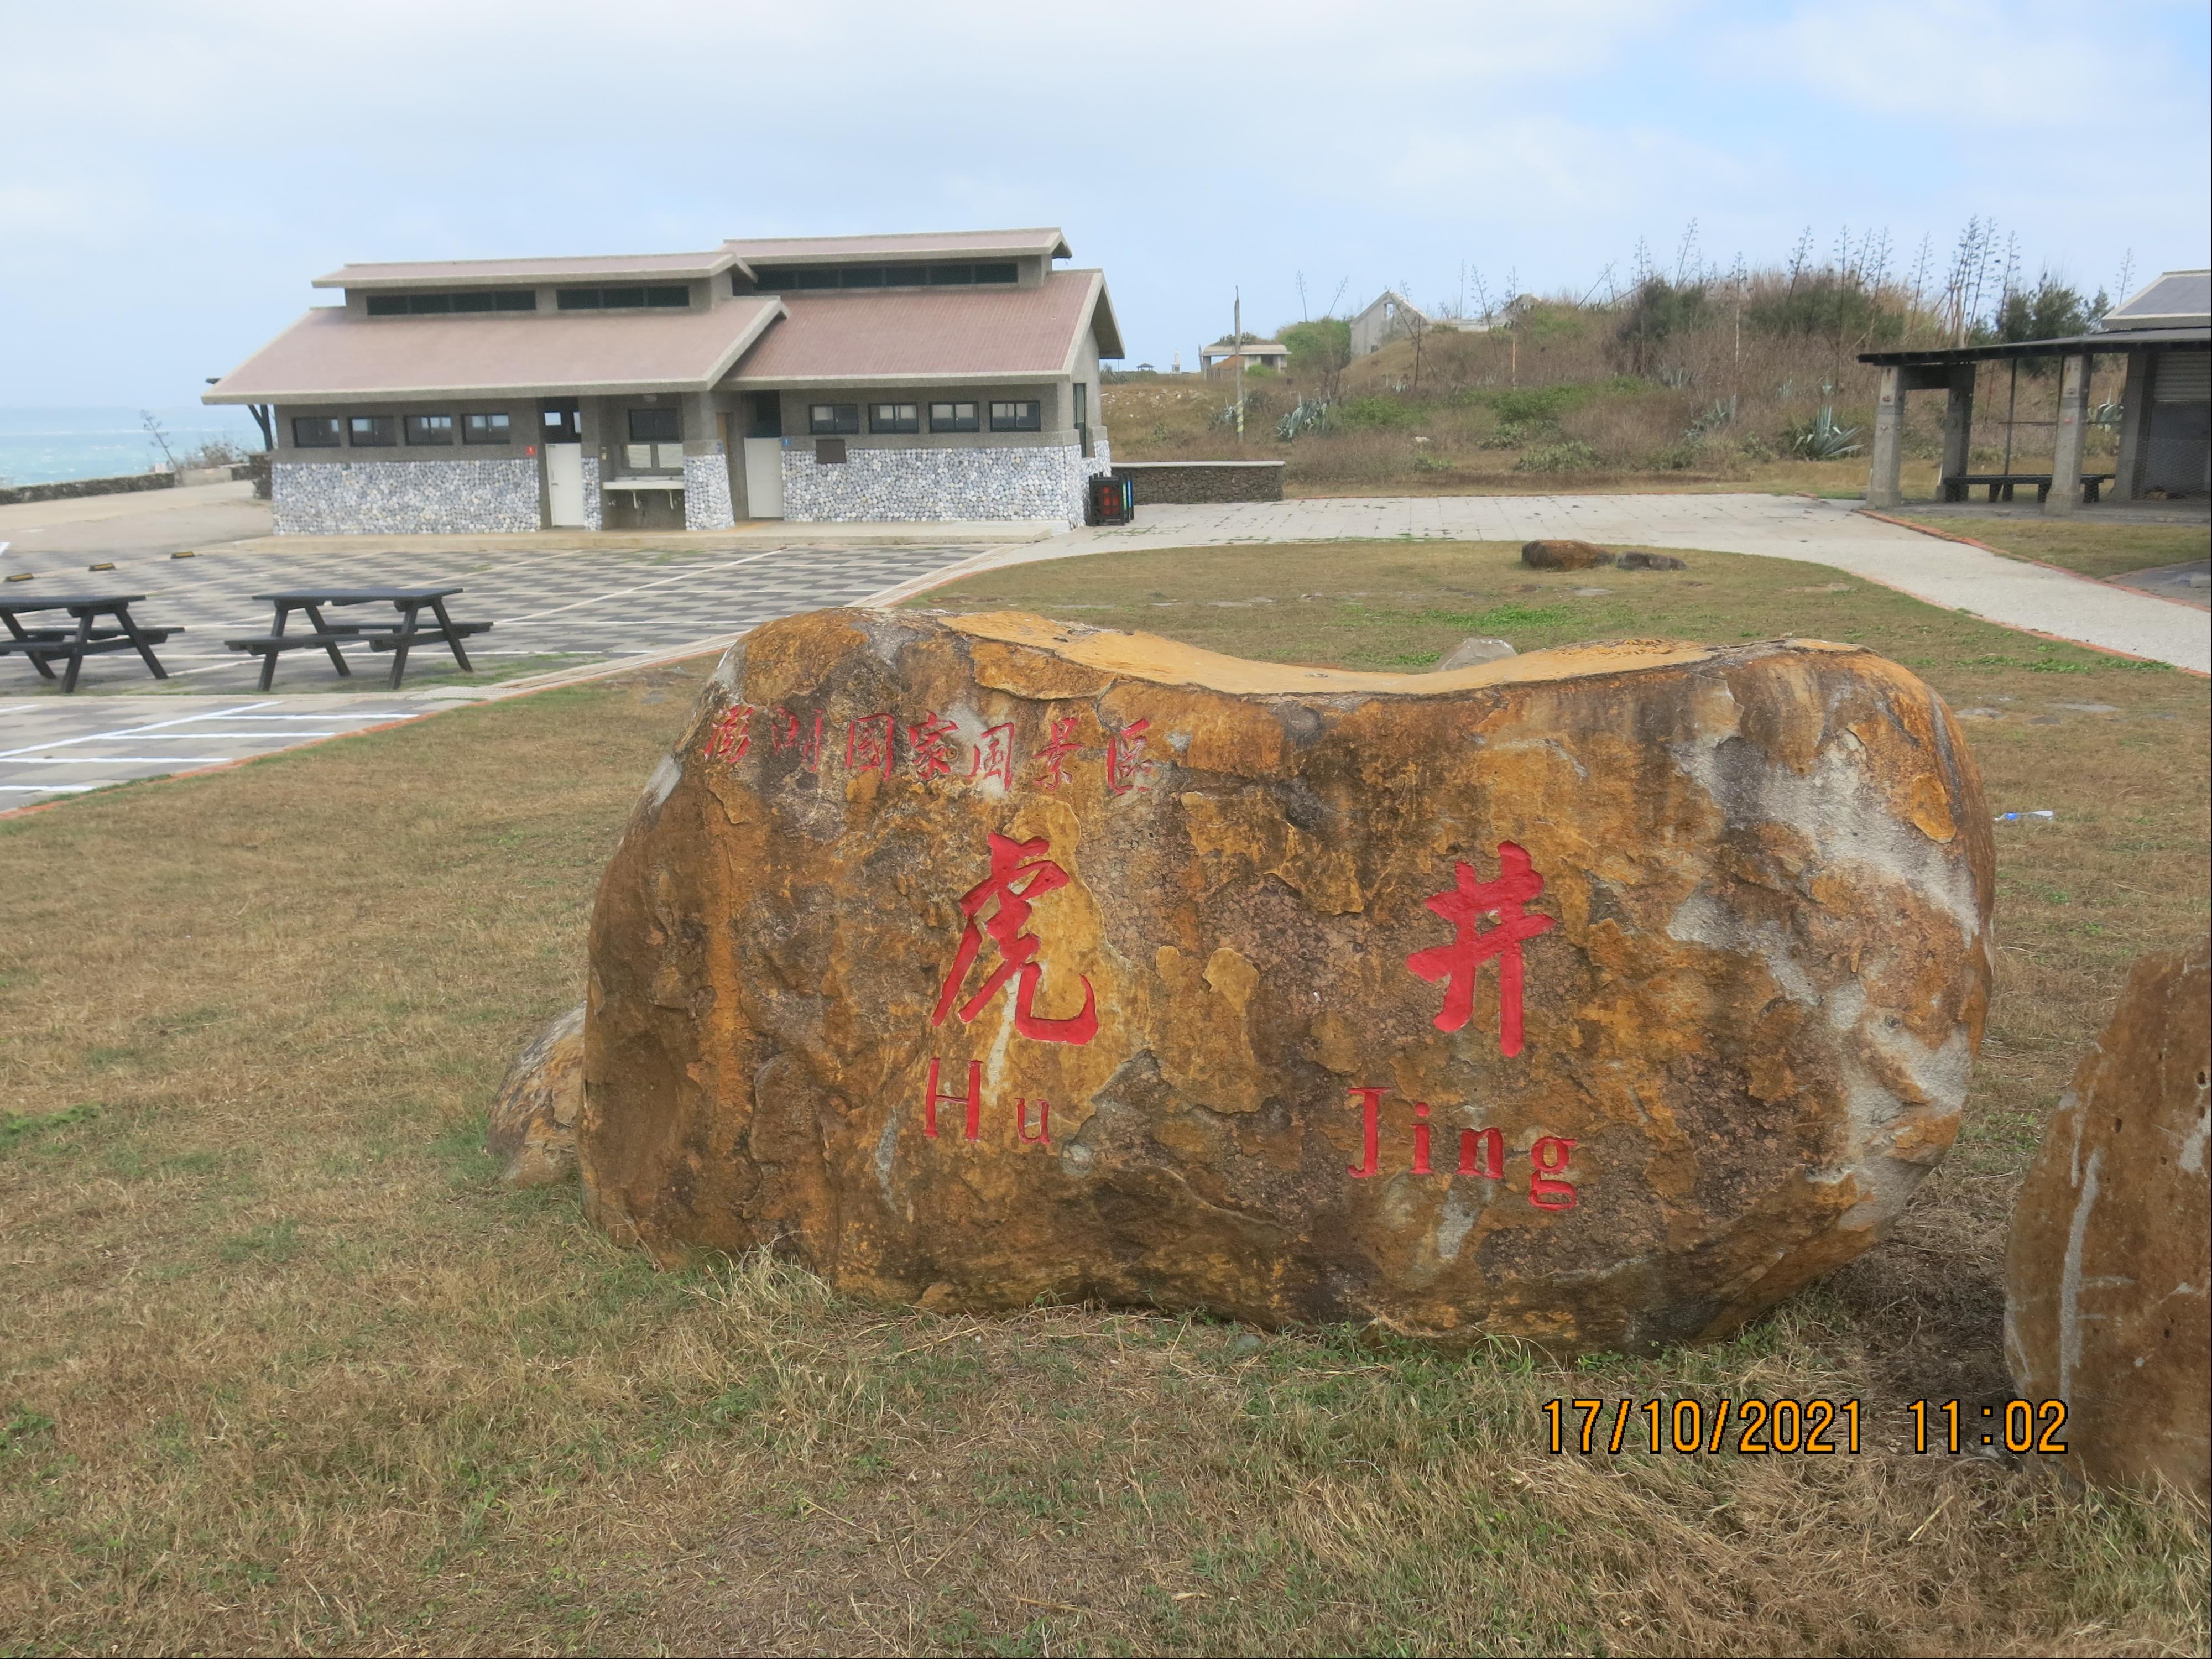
x=1599, y=997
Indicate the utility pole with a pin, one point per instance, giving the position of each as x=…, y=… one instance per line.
x=1237, y=338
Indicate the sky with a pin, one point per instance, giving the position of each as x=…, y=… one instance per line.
x=172, y=177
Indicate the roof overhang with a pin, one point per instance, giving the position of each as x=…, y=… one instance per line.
x=274, y=375
x=1042, y=242
x=2097, y=344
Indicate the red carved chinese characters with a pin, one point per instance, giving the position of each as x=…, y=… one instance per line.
x=1457, y=962
x=1052, y=759
x=784, y=731
x=1126, y=764
x=925, y=739
x=868, y=743
x=732, y=733
x=994, y=756
x=1020, y=875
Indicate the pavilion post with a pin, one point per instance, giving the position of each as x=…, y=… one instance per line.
x=1886, y=479
x=2073, y=425
x=2134, y=404
x=1958, y=434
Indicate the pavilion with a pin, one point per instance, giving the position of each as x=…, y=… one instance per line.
x=2165, y=332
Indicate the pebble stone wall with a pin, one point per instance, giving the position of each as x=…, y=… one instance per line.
x=404, y=498
x=594, y=517
x=1160, y=483
x=1044, y=481
x=706, y=492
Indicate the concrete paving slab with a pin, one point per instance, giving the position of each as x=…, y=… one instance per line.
x=2189, y=581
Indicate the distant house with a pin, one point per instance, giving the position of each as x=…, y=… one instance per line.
x=1220, y=357
x=1391, y=316
x=949, y=376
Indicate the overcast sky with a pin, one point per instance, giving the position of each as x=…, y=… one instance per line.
x=174, y=175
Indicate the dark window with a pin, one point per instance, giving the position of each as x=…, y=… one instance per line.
x=1014, y=417
x=485, y=430
x=429, y=429
x=953, y=417
x=314, y=432
x=763, y=415
x=833, y=417
x=654, y=426
x=475, y=298
x=786, y=277
x=624, y=299
x=560, y=422
x=577, y=299
x=894, y=417
x=373, y=431
x=829, y=451
x=678, y=296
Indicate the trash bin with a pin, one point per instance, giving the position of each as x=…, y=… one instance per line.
x=1111, y=500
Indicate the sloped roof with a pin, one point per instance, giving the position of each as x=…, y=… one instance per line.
x=2175, y=299
x=1042, y=241
x=330, y=355
x=486, y=273
x=934, y=335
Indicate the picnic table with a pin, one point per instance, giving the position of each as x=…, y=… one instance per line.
x=42, y=646
x=398, y=637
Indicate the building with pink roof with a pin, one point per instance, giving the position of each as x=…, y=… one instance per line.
x=931, y=377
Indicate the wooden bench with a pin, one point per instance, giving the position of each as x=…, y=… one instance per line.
x=42, y=646
x=398, y=637
x=2000, y=485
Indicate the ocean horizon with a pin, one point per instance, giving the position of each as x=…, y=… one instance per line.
x=54, y=445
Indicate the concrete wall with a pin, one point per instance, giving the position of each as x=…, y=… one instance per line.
x=362, y=498
x=1158, y=483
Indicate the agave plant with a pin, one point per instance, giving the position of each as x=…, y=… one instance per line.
x=1310, y=415
x=1820, y=438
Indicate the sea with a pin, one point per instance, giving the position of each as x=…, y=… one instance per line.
x=52, y=446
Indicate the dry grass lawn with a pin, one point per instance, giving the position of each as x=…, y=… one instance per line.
x=285, y=1367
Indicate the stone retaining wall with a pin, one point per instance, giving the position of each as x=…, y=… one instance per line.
x=1038, y=482
x=69, y=488
x=1160, y=483
x=404, y=498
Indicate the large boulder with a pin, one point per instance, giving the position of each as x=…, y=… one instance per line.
x=532, y=1127
x=2111, y=1250
x=1598, y=997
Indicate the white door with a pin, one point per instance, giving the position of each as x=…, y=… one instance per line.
x=564, y=484
x=763, y=477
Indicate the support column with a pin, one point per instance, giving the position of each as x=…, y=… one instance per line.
x=1958, y=433
x=1885, y=479
x=2135, y=411
x=2073, y=427
x=707, y=504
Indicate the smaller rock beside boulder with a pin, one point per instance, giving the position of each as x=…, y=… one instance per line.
x=2106, y=1269
x=1564, y=556
x=1472, y=650
x=533, y=1122
x=1652, y=562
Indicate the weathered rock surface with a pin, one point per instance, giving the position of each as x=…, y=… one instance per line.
x=534, y=1121
x=1564, y=556
x=2111, y=1250
x=1640, y=561
x=1599, y=997
x=1472, y=650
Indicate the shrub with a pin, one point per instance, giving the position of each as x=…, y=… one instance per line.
x=1820, y=438
x=1568, y=455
